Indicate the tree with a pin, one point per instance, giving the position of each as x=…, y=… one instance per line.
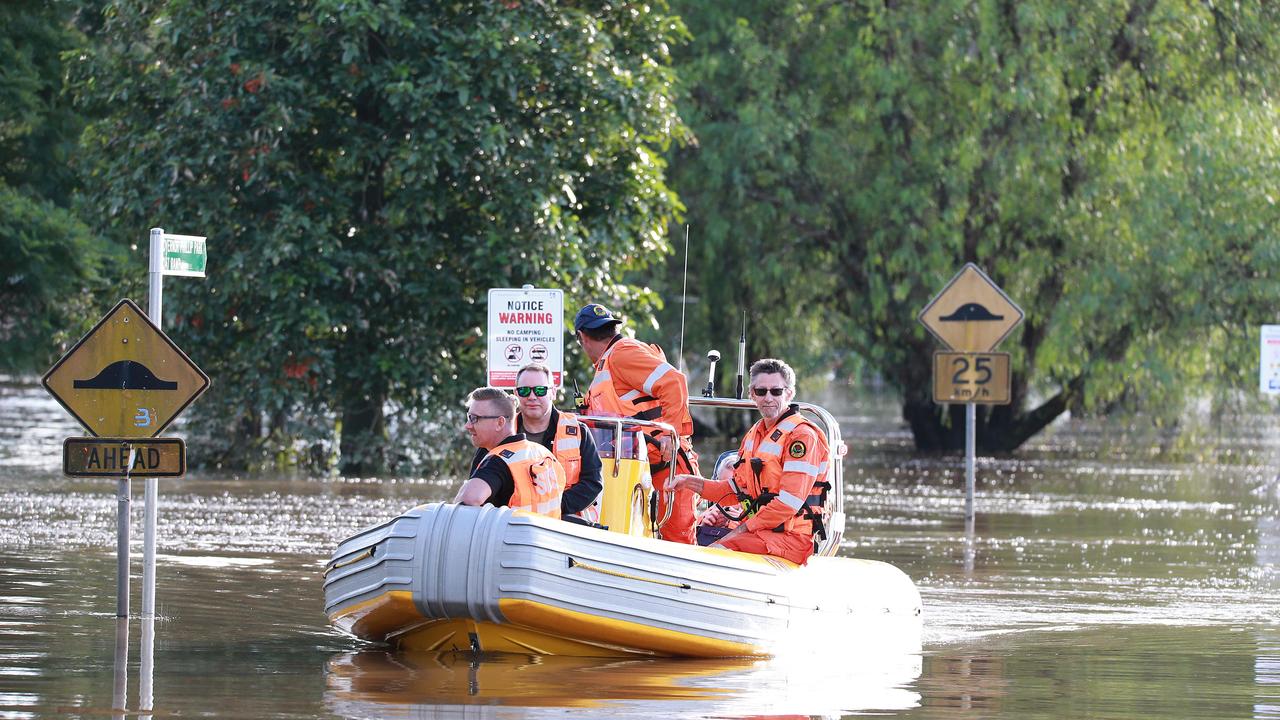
x=365, y=171
x=1111, y=166
x=49, y=261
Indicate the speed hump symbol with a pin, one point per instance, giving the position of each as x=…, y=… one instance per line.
x=971, y=314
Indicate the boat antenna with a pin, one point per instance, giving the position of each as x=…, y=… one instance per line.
x=742, y=354
x=710, y=390
x=684, y=294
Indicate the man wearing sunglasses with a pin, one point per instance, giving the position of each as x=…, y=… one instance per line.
x=780, y=477
x=633, y=379
x=565, y=437
x=508, y=470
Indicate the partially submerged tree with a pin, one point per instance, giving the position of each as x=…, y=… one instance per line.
x=1111, y=166
x=365, y=171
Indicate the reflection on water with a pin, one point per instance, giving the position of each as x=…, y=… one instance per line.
x=1100, y=579
x=382, y=684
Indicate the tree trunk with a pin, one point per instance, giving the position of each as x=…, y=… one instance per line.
x=364, y=433
x=937, y=428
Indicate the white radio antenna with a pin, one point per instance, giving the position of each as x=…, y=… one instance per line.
x=684, y=294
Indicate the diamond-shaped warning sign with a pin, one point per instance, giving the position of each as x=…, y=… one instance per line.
x=125, y=378
x=972, y=313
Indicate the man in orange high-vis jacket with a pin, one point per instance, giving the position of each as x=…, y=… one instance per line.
x=780, y=477
x=513, y=471
x=565, y=437
x=634, y=379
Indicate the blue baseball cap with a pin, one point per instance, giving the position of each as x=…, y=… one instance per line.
x=593, y=316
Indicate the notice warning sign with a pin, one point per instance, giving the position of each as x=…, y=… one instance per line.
x=526, y=325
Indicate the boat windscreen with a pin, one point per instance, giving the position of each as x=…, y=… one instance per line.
x=606, y=438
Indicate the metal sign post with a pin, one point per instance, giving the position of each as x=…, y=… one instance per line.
x=182, y=255
x=124, y=504
x=155, y=293
x=971, y=316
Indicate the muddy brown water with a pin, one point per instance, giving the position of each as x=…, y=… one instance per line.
x=1106, y=576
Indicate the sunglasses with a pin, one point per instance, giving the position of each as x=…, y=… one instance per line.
x=539, y=390
x=761, y=392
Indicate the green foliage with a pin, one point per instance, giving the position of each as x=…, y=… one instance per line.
x=49, y=262
x=1111, y=166
x=365, y=171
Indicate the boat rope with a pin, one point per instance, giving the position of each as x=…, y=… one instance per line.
x=681, y=585
x=628, y=576
x=368, y=552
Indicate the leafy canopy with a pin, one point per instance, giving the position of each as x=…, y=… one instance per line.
x=1110, y=165
x=365, y=171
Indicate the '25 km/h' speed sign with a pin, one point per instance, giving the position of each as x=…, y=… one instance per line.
x=981, y=378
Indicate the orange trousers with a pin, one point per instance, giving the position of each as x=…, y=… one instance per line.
x=679, y=525
x=788, y=546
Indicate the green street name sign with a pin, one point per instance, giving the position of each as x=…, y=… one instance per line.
x=183, y=255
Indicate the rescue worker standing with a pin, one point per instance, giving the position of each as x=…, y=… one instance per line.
x=565, y=437
x=634, y=380
x=780, y=475
x=510, y=470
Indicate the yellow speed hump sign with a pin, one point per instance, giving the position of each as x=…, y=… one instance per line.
x=125, y=378
x=971, y=314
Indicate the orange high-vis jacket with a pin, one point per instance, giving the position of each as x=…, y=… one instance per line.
x=539, y=478
x=567, y=447
x=781, y=476
x=634, y=379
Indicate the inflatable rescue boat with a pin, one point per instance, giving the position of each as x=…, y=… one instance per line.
x=490, y=579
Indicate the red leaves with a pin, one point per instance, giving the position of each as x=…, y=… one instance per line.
x=228, y=103
x=254, y=84
x=235, y=69
x=296, y=368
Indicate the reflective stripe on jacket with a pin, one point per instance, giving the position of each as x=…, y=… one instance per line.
x=538, y=477
x=781, y=475
x=654, y=389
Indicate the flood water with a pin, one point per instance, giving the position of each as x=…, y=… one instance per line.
x=1108, y=575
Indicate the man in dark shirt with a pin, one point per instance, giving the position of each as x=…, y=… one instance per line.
x=564, y=436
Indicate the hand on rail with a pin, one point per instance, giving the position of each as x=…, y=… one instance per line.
x=686, y=482
x=665, y=448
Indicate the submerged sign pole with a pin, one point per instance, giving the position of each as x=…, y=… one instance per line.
x=124, y=503
x=970, y=453
x=971, y=316
x=155, y=295
x=182, y=255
